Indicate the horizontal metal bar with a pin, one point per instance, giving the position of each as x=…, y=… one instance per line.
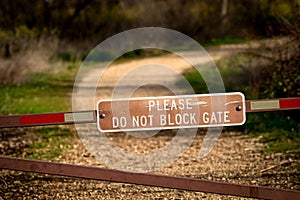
x=43, y=119
x=266, y=105
x=90, y=116
x=146, y=179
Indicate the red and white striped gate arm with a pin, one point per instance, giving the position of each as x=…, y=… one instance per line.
x=91, y=115
x=265, y=105
x=60, y=118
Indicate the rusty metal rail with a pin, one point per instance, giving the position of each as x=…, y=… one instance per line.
x=146, y=179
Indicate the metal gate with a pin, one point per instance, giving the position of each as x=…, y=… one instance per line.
x=147, y=179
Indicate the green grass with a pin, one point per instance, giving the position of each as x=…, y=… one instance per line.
x=140, y=54
x=282, y=141
x=44, y=92
x=51, y=142
x=226, y=40
x=27, y=99
x=234, y=77
x=278, y=130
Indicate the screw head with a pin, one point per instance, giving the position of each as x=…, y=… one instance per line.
x=102, y=116
x=238, y=108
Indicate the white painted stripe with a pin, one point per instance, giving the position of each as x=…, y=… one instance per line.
x=79, y=117
x=262, y=105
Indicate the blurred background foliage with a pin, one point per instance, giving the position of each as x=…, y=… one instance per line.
x=81, y=21
x=52, y=37
x=68, y=30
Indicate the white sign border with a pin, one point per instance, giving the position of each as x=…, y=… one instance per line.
x=171, y=127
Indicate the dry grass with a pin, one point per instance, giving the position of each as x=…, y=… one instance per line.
x=33, y=58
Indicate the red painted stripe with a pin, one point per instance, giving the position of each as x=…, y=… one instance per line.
x=289, y=103
x=42, y=119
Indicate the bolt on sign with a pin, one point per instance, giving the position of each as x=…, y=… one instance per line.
x=171, y=112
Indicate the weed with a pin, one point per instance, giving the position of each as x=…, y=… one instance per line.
x=234, y=77
x=50, y=143
x=281, y=141
x=40, y=93
x=279, y=130
x=226, y=40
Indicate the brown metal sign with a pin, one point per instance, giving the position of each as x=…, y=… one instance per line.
x=171, y=112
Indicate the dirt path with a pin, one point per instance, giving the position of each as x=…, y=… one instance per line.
x=154, y=70
x=236, y=158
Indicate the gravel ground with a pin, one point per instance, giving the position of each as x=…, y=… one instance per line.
x=236, y=158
